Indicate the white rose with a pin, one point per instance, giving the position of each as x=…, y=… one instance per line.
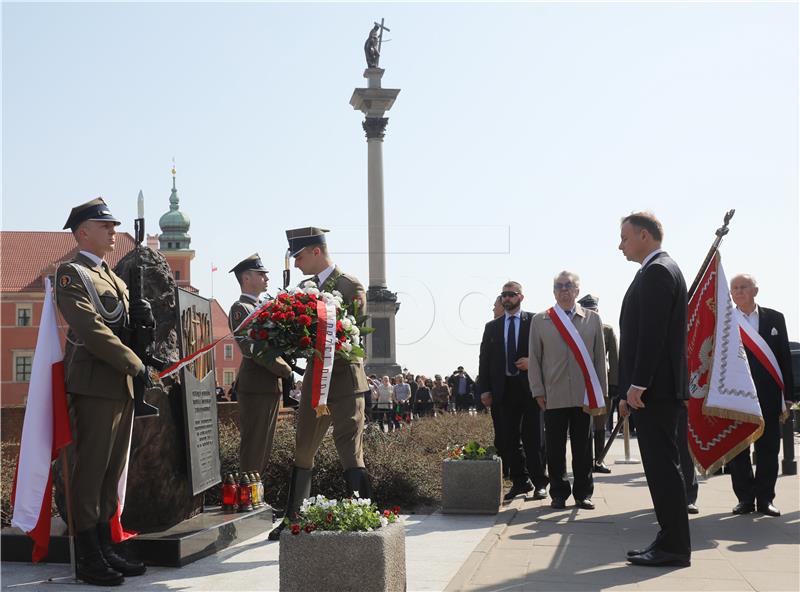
x=347, y=346
x=312, y=290
x=346, y=323
x=337, y=294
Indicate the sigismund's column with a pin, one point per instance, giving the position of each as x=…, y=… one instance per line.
x=382, y=306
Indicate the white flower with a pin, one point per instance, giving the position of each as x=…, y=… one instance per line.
x=346, y=323
x=312, y=291
x=355, y=331
x=356, y=494
x=308, y=284
x=337, y=294
x=384, y=521
x=347, y=346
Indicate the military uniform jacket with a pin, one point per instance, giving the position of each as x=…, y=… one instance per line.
x=97, y=363
x=347, y=378
x=254, y=375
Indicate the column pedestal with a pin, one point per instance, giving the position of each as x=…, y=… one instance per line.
x=382, y=306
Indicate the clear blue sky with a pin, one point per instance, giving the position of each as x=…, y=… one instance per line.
x=522, y=134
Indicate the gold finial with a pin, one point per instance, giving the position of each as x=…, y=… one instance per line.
x=173, y=167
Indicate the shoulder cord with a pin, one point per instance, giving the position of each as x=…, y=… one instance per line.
x=109, y=317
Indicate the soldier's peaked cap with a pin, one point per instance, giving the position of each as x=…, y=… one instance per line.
x=252, y=263
x=300, y=238
x=95, y=209
x=589, y=302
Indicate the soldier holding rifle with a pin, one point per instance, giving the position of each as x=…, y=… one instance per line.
x=101, y=370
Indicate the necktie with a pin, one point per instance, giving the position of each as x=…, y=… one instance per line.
x=511, y=346
x=315, y=279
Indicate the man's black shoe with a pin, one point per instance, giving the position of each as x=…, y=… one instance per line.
x=600, y=468
x=692, y=509
x=769, y=510
x=657, y=557
x=126, y=566
x=585, y=504
x=647, y=549
x=518, y=490
x=92, y=567
x=540, y=494
x=275, y=533
x=558, y=504
x=744, y=508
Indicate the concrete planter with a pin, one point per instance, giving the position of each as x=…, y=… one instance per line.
x=472, y=486
x=344, y=561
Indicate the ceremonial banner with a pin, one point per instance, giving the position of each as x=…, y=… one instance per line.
x=325, y=345
x=593, y=402
x=724, y=413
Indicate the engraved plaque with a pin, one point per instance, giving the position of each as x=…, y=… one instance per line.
x=199, y=402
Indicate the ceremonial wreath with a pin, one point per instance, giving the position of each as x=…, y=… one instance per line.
x=308, y=323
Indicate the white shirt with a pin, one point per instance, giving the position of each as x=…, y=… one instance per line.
x=98, y=261
x=752, y=318
x=325, y=274
x=650, y=256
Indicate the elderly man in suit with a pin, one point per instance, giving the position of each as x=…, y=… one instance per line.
x=347, y=387
x=758, y=492
x=503, y=383
x=558, y=382
x=654, y=380
x=100, y=368
x=258, y=384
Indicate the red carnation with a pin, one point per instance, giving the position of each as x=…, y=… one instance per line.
x=252, y=333
x=290, y=315
x=338, y=345
x=339, y=327
x=387, y=513
x=295, y=528
x=312, y=296
x=263, y=316
x=262, y=334
x=283, y=297
x=329, y=517
x=305, y=341
x=309, y=527
x=396, y=510
x=304, y=320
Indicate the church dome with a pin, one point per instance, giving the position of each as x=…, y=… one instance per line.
x=174, y=224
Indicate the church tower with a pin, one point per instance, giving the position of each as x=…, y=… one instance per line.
x=174, y=240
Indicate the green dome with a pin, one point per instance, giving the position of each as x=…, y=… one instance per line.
x=174, y=225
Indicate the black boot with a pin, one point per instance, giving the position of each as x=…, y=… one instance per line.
x=299, y=489
x=92, y=567
x=127, y=567
x=357, y=480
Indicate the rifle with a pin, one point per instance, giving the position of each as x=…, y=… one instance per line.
x=142, y=330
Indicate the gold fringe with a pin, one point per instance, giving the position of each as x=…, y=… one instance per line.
x=322, y=410
x=596, y=411
x=731, y=453
x=734, y=415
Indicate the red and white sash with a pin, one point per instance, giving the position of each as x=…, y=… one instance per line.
x=326, y=346
x=593, y=395
x=763, y=353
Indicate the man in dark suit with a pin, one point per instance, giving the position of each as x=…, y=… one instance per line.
x=503, y=382
x=654, y=380
x=759, y=491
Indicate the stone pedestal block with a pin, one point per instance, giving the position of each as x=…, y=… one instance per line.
x=372, y=561
x=472, y=486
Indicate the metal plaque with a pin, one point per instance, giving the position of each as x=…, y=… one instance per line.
x=199, y=401
x=380, y=337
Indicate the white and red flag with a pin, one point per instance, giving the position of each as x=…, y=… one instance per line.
x=724, y=413
x=45, y=432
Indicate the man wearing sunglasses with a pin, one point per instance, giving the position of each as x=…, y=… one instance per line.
x=503, y=385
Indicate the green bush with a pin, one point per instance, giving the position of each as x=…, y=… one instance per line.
x=404, y=466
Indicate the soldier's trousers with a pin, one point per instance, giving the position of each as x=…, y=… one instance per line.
x=101, y=432
x=347, y=416
x=258, y=417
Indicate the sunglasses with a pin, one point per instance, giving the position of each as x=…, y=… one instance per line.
x=559, y=286
x=508, y=294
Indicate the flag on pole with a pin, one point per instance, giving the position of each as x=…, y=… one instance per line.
x=214, y=268
x=45, y=431
x=724, y=413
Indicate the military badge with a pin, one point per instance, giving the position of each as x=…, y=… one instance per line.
x=237, y=315
x=64, y=281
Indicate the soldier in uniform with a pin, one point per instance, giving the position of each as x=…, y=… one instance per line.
x=258, y=383
x=347, y=387
x=100, y=369
x=612, y=356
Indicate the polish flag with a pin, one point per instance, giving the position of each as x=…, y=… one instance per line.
x=214, y=268
x=45, y=432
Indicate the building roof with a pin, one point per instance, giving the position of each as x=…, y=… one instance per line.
x=26, y=255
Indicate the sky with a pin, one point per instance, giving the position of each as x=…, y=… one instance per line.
x=523, y=132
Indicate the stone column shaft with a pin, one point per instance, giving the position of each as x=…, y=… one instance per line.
x=375, y=216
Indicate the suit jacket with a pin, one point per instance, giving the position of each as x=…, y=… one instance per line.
x=96, y=361
x=653, y=332
x=347, y=378
x=255, y=375
x=553, y=371
x=612, y=354
x=772, y=327
x=492, y=361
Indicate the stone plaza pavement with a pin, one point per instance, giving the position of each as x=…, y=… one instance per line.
x=529, y=546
